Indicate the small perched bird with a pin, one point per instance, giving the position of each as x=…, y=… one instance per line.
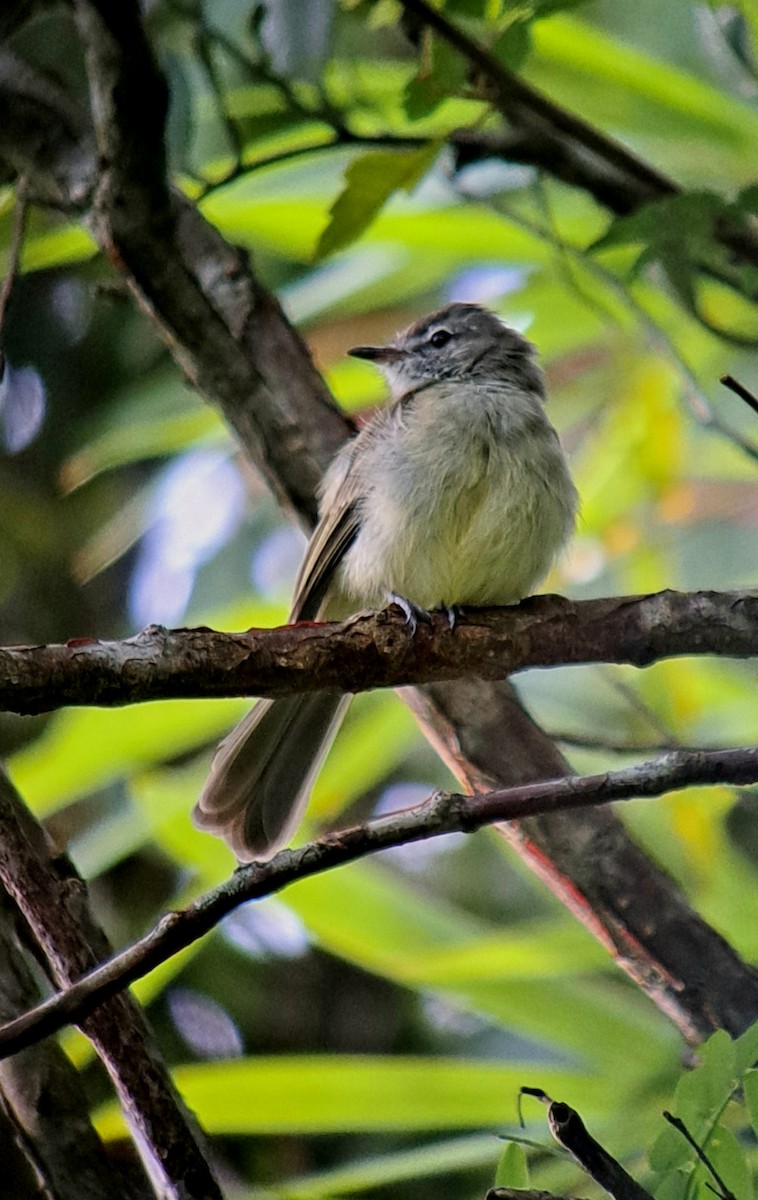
x=457, y=493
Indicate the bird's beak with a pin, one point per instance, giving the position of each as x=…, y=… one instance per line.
x=379, y=354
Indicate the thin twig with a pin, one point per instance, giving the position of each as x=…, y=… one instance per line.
x=724, y=1192
x=643, y=709
x=740, y=390
x=610, y=745
x=441, y=813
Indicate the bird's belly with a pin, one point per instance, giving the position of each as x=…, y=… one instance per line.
x=488, y=542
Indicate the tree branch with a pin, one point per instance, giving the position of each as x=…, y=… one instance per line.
x=49, y=1140
x=373, y=650
x=53, y=900
x=576, y=151
x=740, y=390
x=569, y=1130
x=546, y=135
x=227, y=333
x=443, y=812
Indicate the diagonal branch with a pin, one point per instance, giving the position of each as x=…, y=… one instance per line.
x=575, y=150
x=373, y=650
x=548, y=136
x=443, y=812
x=49, y=1135
x=53, y=900
x=227, y=333
x=569, y=1130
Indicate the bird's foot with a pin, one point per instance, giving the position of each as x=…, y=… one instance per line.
x=452, y=612
x=413, y=612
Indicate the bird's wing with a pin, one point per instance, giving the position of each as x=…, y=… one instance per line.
x=331, y=539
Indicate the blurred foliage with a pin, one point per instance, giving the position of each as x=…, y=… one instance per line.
x=369, y=1029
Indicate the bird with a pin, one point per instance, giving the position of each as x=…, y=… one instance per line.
x=456, y=494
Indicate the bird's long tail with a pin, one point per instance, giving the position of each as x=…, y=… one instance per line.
x=263, y=772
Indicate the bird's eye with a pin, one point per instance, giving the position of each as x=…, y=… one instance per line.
x=440, y=338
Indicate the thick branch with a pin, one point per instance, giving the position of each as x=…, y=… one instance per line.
x=589, y=861
x=226, y=332
x=441, y=813
x=377, y=650
x=49, y=1146
x=54, y=903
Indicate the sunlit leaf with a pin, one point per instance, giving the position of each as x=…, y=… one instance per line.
x=312, y=1094
x=444, y=1156
x=369, y=182
x=513, y=1168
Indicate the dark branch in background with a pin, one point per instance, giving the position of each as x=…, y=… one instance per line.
x=569, y=1130
x=225, y=331
x=230, y=338
x=740, y=390
x=377, y=650
x=49, y=1147
x=442, y=813
x=545, y=135
x=560, y=141
x=588, y=860
x=53, y=901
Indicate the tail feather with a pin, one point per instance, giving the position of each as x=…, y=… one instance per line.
x=263, y=772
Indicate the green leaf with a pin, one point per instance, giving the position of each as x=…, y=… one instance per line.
x=53, y=770
x=701, y=1096
x=628, y=91
x=513, y=1168
x=369, y=182
x=683, y=219
x=746, y=1048
x=677, y=233
x=310, y=1094
x=751, y=1098
x=537, y=950
x=153, y=419
x=440, y=1157
x=703, y=1093
x=514, y=44
x=730, y=1162
x=441, y=74
x=59, y=247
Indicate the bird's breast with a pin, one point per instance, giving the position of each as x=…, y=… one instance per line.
x=466, y=501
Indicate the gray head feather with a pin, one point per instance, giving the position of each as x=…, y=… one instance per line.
x=460, y=341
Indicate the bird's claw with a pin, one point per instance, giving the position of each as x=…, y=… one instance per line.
x=452, y=612
x=413, y=613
